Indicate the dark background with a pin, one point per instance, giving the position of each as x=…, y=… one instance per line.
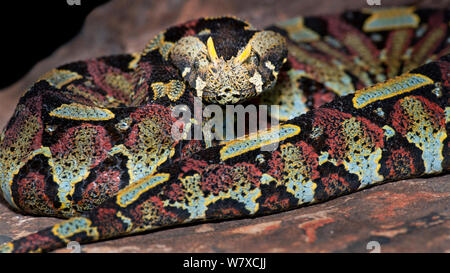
x=32, y=30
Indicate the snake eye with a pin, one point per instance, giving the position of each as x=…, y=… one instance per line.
x=255, y=59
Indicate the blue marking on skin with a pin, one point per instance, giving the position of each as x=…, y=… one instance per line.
x=132, y=192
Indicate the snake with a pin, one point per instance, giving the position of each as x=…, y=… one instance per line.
x=362, y=99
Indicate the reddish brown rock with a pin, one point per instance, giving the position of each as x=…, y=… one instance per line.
x=406, y=216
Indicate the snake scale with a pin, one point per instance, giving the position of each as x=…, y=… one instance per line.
x=363, y=99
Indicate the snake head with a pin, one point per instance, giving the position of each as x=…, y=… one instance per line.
x=227, y=67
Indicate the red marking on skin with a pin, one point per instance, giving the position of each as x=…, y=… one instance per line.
x=389, y=204
x=81, y=99
x=35, y=241
x=437, y=113
x=295, y=64
x=226, y=212
x=32, y=108
x=321, y=99
x=312, y=226
x=392, y=35
x=402, y=122
x=445, y=71
x=275, y=202
x=140, y=214
x=105, y=186
x=189, y=28
x=308, y=154
x=391, y=43
x=107, y=223
x=276, y=165
x=100, y=143
x=215, y=178
x=159, y=114
x=175, y=192
x=190, y=148
x=220, y=178
x=400, y=163
x=196, y=165
x=334, y=185
x=32, y=196
x=309, y=69
x=342, y=30
x=153, y=111
x=360, y=85
x=110, y=177
x=330, y=120
x=145, y=72
x=99, y=70
x=435, y=23
x=190, y=32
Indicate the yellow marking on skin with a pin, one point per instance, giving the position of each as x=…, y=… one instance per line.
x=6, y=248
x=205, y=31
x=447, y=114
x=244, y=55
x=160, y=44
x=211, y=50
x=425, y=132
x=392, y=58
x=165, y=49
x=323, y=157
x=296, y=174
x=420, y=54
x=73, y=166
x=331, y=75
x=133, y=162
x=391, y=18
x=75, y=111
x=126, y=220
x=74, y=226
x=297, y=30
x=9, y=177
x=362, y=155
x=391, y=88
x=133, y=63
x=196, y=201
x=174, y=89
x=154, y=43
x=132, y=192
x=257, y=140
x=388, y=131
x=60, y=77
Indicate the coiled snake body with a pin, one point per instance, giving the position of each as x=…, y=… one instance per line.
x=363, y=99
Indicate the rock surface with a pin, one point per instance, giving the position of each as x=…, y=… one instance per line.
x=406, y=216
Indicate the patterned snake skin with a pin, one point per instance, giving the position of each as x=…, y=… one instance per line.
x=363, y=99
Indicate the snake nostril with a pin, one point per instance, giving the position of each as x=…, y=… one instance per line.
x=227, y=89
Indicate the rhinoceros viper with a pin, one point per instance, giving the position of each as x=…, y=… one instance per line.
x=363, y=99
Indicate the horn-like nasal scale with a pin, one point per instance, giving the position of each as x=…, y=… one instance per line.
x=211, y=50
x=244, y=55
